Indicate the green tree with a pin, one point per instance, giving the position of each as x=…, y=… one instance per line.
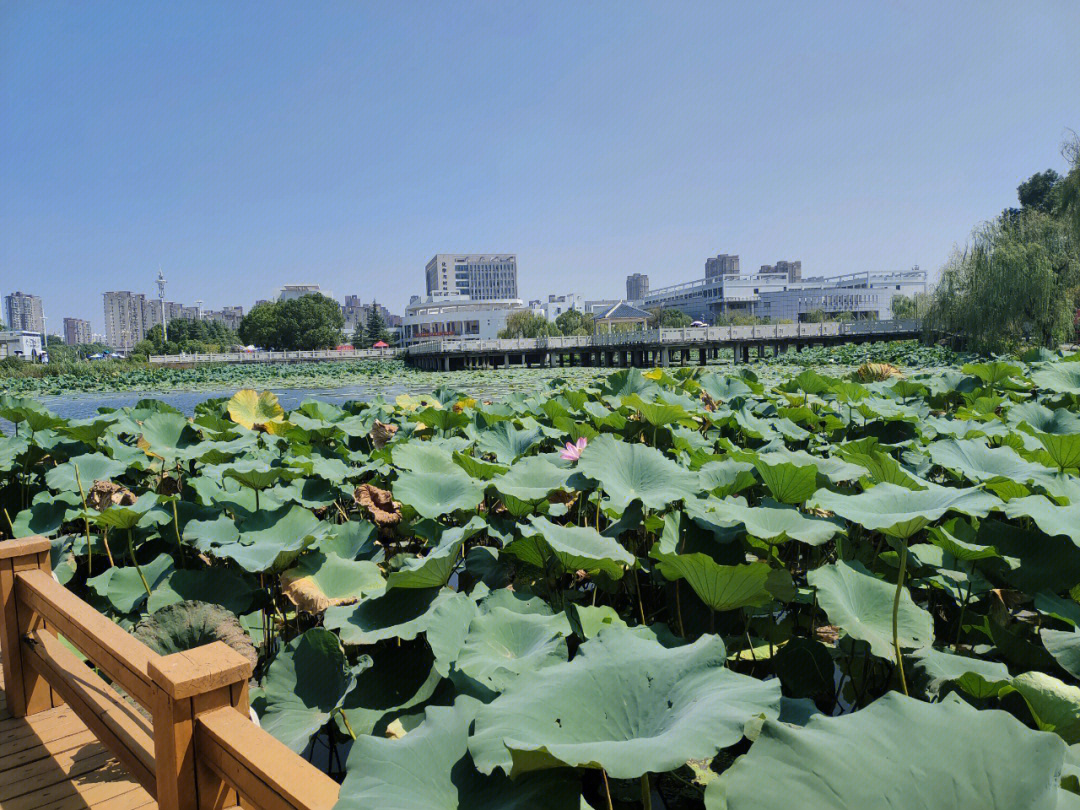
x=524, y=324
x=59, y=352
x=815, y=316
x=575, y=322
x=1039, y=192
x=663, y=318
x=300, y=324
x=376, y=326
x=910, y=307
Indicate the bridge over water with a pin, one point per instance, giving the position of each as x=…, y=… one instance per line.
x=654, y=347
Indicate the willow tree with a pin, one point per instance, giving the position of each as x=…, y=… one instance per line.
x=1018, y=281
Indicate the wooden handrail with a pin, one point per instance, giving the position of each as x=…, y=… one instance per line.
x=119, y=654
x=261, y=769
x=117, y=724
x=200, y=752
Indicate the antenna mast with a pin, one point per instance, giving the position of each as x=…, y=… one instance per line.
x=161, y=299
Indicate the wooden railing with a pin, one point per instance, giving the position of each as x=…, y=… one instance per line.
x=198, y=751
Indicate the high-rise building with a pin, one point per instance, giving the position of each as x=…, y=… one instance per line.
x=24, y=313
x=793, y=270
x=230, y=316
x=722, y=265
x=356, y=314
x=482, y=277
x=124, y=323
x=77, y=332
x=637, y=286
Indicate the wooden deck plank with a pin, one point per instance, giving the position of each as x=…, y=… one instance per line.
x=34, y=749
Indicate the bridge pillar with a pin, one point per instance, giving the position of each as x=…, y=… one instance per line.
x=506, y=360
x=703, y=358
x=663, y=357
x=446, y=363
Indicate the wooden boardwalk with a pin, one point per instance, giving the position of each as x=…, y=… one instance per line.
x=52, y=761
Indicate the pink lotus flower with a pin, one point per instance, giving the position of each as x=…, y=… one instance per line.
x=572, y=452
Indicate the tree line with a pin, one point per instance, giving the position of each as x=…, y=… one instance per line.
x=1017, y=281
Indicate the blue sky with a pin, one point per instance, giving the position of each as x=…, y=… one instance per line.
x=241, y=146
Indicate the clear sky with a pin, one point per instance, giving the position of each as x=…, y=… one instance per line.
x=241, y=146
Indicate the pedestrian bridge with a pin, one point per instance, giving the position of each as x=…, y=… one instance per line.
x=653, y=347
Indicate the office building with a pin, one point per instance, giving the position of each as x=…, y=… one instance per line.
x=481, y=277
x=556, y=305
x=456, y=316
x=77, y=332
x=722, y=265
x=124, y=319
x=23, y=313
x=637, y=286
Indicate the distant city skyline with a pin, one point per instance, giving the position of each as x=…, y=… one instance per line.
x=245, y=146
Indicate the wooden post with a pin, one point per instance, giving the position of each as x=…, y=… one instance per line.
x=27, y=691
x=190, y=683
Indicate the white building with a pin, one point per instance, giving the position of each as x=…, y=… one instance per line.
x=481, y=276
x=778, y=296
x=20, y=343
x=456, y=316
x=556, y=305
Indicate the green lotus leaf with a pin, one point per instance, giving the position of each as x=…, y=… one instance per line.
x=1055, y=705
x=834, y=469
x=126, y=517
x=264, y=541
x=657, y=414
x=974, y=460
x=884, y=469
x=220, y=586
x=507, y=442
x=727, y=477
x=304, y=685
x=430, y=768
x=721, y=587
x=1060, y=378
x=399, y=613
x=902, y=512
x=861, y=605
x=353, y=540
x=476, y=468
x=770, y=521
x=320, y=580
x=1064, y=645
x=849, y=762
x=91, y=467
x=169, y=437
x=625, y=704
x=433, y=494
x=1058, y=421
x=502, y=644
x=46, y=517
x=252, y=473
x=576, y=548
x=1053, y=519
x=418, y=456
x=946, y=538
x=787, y=482
x=531, y=479
x=629, y=472
x=433, y=569
x=933, y=669
x=123, y=586
x=1063, y=449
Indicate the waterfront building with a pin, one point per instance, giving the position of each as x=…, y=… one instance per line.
x=77, y=332
x=23, y=312
x=637, y=286
x=775, y=295
x=481, y=276
x=456, y=316
x=124, y=319
x=20, y=343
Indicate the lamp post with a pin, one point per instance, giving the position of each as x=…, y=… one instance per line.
x=161, y=299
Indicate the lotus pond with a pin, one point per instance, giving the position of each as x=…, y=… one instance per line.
x=679, y=588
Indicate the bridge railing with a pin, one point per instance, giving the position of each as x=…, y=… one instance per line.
x=690, y=334
x=271, y=357
x=198, y=751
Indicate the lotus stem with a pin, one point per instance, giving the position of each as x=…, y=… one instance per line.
x=11, y=526
x=345, y=720
x=108, y=551
x=176, y=529
x=131, y=553
x=678, y=609
x=607, y=789
x=86, y=523
x=963, y=607
x=896, y=614
x=646, y=792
